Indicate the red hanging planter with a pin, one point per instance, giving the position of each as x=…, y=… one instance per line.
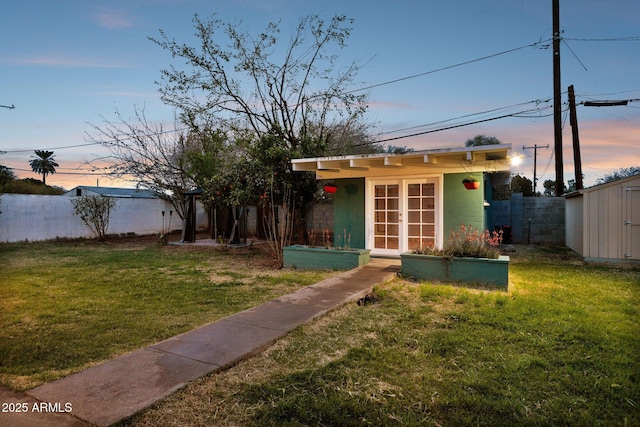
x=330, y=189
x=471, y=185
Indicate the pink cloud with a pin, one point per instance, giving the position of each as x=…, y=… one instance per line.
x=112, y=19
x=61, y=61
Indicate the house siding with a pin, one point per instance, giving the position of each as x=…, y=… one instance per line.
x=462, y=206
x=349, y=212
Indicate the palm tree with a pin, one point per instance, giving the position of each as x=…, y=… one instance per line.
x=44, y=164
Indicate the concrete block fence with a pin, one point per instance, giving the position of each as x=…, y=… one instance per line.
x=533, y=220
x=26, y=217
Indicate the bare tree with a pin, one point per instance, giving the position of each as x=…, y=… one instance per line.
x=260, y=84
x=289, y=96
x=148, y=153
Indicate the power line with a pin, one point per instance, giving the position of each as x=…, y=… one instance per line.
x=101, y=143
x=537, y=102
x=617, y=39
x=55, y=148
x=504, y=52
x=445, y=128
x=72, y=173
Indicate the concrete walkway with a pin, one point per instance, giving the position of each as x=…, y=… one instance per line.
x=114, y=390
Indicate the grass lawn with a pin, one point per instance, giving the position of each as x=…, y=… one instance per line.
x=560, y=348
x=67, y=305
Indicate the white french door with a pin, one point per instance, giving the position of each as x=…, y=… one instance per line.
x=386, y=218
x=421, y=215
x=402, y=215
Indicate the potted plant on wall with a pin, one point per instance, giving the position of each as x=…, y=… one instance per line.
x=471, y=183
x=330, y=188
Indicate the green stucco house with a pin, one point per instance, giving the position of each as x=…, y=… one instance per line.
x=391, y=204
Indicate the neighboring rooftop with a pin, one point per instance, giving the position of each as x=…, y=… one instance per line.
x=131, y=193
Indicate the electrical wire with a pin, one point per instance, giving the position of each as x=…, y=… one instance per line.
x=618, y=39
x=537, y=102
x=446, y=128
x=504, y=52
x=100, y=143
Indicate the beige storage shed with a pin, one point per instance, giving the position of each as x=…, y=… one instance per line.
x=603, y=222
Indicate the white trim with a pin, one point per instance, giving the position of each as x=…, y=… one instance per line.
x=437, y=179
x=487, y=158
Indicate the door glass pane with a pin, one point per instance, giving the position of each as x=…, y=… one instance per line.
x=413, y=203
x=392, y=243
x=428, y=190
x=428, y=203
x=413, y=190
x=413, y=243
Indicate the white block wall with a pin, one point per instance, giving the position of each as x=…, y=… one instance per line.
x=26, y=217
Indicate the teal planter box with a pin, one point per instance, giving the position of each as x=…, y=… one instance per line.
x=472, y=270
x=316, y=258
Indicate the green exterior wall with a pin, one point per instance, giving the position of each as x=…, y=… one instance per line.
x=348, y=210
x=462, y=206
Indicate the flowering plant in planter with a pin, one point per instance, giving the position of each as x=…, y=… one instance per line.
x=468, y=242
x=468, y=256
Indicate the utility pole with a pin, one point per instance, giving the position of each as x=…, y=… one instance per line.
x=557, y=99
x=535, y=163
x=573, y=119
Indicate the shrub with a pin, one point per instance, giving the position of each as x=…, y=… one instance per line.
x=94, y=212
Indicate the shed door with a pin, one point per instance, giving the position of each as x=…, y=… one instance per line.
x=402, y=215
x=386, y=218
x=421, y=215
x=632, y=223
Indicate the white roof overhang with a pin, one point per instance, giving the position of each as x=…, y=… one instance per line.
x=487, y=158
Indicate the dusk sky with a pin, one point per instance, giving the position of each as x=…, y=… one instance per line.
x=66, y=63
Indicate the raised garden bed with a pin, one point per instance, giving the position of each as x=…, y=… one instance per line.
x=472, y=270
x=319, y=258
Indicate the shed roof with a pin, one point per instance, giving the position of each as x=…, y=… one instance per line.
x=633, y=180
x=132, y=193
x=487, y=158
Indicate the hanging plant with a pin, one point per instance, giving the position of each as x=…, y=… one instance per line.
x=471, y=183
x=330, y=188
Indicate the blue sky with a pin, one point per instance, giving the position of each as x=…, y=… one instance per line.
x=66, y=63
